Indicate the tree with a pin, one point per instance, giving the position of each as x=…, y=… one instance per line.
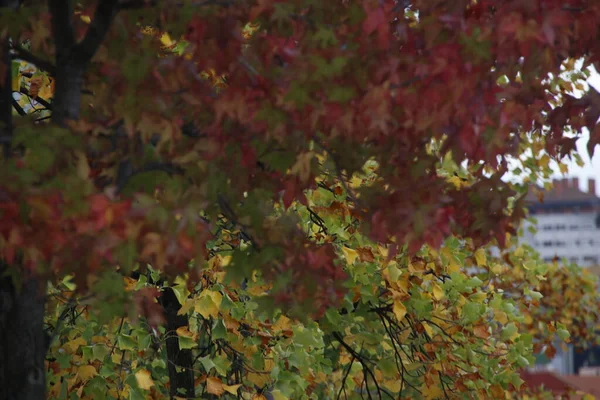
x=335, y=164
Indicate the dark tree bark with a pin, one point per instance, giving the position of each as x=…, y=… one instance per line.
x=22, y=300
x=23, y=341
x=182, y=383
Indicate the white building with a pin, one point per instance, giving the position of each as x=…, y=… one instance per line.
x=568, y=223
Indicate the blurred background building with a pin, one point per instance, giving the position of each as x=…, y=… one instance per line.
x=568, y=223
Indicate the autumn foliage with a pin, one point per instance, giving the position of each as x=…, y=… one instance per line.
x=297, y=199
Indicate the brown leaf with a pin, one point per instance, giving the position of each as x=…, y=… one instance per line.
x=214, y=386
x=481, y=331
x=365, y=254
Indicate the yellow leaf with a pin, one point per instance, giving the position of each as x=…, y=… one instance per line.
x=130, y=283
x=544, y=161
x=278, y=396
x=214, y=386
x=208, y=303
x=165, y=39
x=355, y=182
x=46, y=92
x=232, y=388
x=86, y=372
x=144, y=379
x=501, y=317
x=257, y=396
x=185, y=332
x=438, y=292
x=73, y=345
x=478, y=297
x=116, y=393
x=260, y=290
x=258, y=379
x=399, y=310
x=432, y=392
x=282, y=324
x=564, y=168
x=16, y=82
x=457, y=182
x=519, y=252
x=187, y=306
x=225, y=260
x=428, y=329
x=350, y=255
x=498, y=269
x=480, y=257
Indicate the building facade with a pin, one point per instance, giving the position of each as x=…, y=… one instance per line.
x=568, y=223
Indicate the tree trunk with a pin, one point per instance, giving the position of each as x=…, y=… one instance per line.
x=22, y=338
x=182, y=383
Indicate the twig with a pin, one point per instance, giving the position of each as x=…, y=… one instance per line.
x=366, y=368
x=45, y=103
x=343, y=387
x=338, y=171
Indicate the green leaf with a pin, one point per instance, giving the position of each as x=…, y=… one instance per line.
x=341, y=94
x=207, y=363
x=126, y=342
x=186, y=343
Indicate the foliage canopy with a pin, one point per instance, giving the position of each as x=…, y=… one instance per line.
x=292, y=199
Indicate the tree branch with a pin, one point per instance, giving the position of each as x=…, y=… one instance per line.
x=22, y=54
x=62, y=25
x=6, y=97
x=23, y=90
x=18, y=107
x=103, y=17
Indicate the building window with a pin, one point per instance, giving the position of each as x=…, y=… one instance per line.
x=590, y=259
x=547, y=244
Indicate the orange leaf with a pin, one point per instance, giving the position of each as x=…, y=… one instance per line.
x=214, y=386
x=481, y=331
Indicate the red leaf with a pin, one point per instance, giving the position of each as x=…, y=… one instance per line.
x=375, y=18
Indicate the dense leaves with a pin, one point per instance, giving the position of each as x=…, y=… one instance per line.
x=319, y=183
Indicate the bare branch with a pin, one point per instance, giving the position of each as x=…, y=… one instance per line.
x=103, y=17
x=18, y=107
x=22, y=54
x=23, y=90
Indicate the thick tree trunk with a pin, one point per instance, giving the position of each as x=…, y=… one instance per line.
x=22, y=338
x=182, y=382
